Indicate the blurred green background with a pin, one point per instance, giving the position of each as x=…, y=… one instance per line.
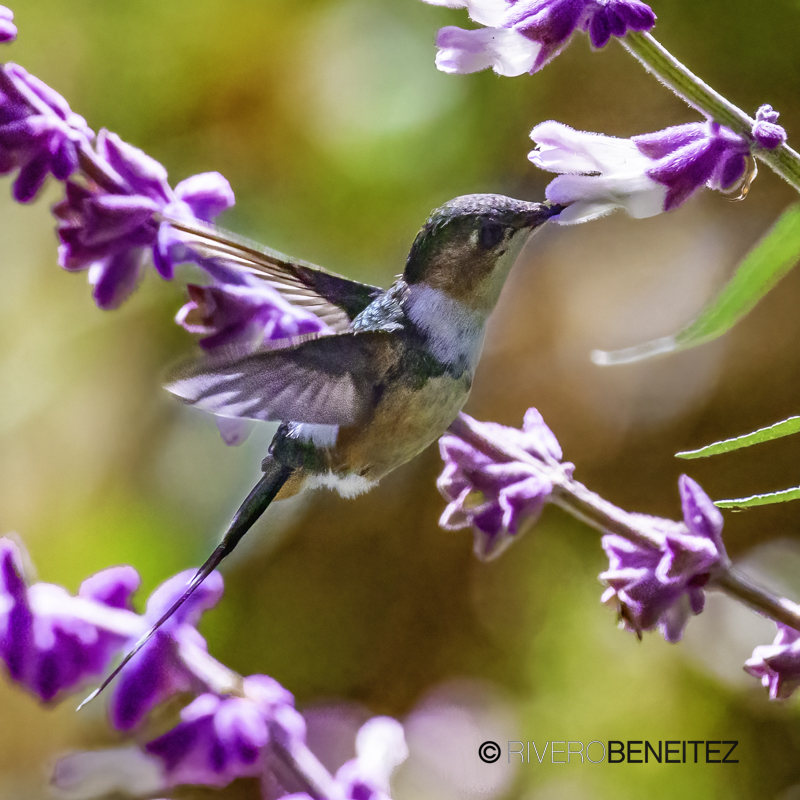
x=339, y=136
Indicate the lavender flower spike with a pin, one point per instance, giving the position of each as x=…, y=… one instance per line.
x=645, y=175
x=778, y=664
x=220, y=739
x=39, y=134
x=52, y=642
x=499, y=500
x=8, y=30
x=111, y=223
x=662, y=584
x=524, y=35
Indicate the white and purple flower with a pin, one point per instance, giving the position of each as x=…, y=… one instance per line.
x=500, y=500
x=53, y=642
x=8, y=30
x=778, y=664
x=645, y=174
x=662, y=584
x=220, y=738
x=523, y=35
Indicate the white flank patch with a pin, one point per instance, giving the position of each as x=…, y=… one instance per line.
x=456, y=332
x=347, y=485
x=320, y=435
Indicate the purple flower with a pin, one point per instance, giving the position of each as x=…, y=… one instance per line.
x=247, y=315
x=766, y=131
x=161, y=670
x=645, y=175
x=662, y=584
x=220, y=739
x=52, y=642
x=778, y=664
x=524, y=35
x=111, y=223
x=39, y=134
x=500, y=500
x=8, y=30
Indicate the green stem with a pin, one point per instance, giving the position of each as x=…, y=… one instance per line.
x=598, y=513
x=699, y=95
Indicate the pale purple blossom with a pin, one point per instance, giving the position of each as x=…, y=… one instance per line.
x=380, y=749
x=523, y=35
x=53, y=642
x=778, y=664
x=498, y=499
x=766, y=130
x=8, y=30
x=645, y=174
x=39, y=134
x=661, y=584
x=112, y=222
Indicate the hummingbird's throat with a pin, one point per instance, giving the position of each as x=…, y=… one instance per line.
x=454, y=331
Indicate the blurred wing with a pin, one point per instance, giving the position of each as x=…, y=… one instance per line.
x=332, y=298
x=328, y=381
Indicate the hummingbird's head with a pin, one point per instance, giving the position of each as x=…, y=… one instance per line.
x=468, y=246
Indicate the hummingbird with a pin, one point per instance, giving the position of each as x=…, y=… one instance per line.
x=360, y=401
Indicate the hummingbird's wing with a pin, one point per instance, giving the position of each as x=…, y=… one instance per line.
x=331, y=380
x=334, y=299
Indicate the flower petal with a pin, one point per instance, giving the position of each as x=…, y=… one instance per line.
x=506, y=51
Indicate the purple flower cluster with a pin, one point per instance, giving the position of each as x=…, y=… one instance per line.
x=115, y=217
x=111, y=221
x=246, y=314
x=8, y=30
x=645, y=174
x=52, y=642
x=499, y=499
x=39, y=134
x=661, y=584
x=524, y=35
x=778, y=664
x=221, y=738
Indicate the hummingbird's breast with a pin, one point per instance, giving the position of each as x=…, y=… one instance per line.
x=408, y=418
x=439, y=341
x=428, y=363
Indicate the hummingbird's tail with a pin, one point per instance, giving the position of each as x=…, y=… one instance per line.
x=254, y=505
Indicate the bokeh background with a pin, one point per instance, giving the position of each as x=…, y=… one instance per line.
x=339, y=136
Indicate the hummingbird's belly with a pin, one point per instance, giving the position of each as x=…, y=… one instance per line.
x=403, y=424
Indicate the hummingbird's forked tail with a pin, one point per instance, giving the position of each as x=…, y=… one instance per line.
x=254, y=505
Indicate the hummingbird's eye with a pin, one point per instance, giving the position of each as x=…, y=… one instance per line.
x=491, y=235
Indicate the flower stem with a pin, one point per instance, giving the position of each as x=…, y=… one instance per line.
x=602, y=515
x=673, y=74
x=734, y=584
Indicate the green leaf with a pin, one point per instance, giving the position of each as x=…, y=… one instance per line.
x=785, y=428
x=761, y=499
x=771, y=258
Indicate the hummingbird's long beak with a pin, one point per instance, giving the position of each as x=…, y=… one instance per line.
x=538, y=213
